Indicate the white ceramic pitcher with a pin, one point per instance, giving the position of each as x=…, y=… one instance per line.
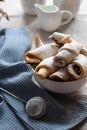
x=51, y=18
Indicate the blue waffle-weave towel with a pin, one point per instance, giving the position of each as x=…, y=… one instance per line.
x=15, y=76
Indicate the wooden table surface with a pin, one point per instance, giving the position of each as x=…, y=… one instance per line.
x=77, y=28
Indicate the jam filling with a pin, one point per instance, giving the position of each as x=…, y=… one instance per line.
x=77, y=69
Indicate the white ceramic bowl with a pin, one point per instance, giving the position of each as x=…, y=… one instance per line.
x=61, y=87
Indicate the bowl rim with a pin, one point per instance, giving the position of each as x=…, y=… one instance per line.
x=62, y=82
x=72, y=81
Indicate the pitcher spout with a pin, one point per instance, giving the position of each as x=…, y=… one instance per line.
x=38, y=6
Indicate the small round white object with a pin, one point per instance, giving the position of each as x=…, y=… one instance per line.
x=36, y=107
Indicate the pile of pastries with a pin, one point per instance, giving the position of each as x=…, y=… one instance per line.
x=63, y=60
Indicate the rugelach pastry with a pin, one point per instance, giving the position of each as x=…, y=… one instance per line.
x=45, y=68
x=84, y=51
x=61, y=75
x=67, y=53
x=61, y=38
x=38, y=54
x=38, y=41
x=78, y=68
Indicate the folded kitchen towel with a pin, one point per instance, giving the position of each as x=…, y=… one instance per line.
x=15, y=76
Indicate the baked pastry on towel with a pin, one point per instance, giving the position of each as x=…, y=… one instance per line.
x=78, y=67
x=61, y=38
x=67, y=53
x=61, y=75
x=45, y=68
x=38, y=54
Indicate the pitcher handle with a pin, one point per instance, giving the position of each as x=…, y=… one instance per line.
x=66, y=13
